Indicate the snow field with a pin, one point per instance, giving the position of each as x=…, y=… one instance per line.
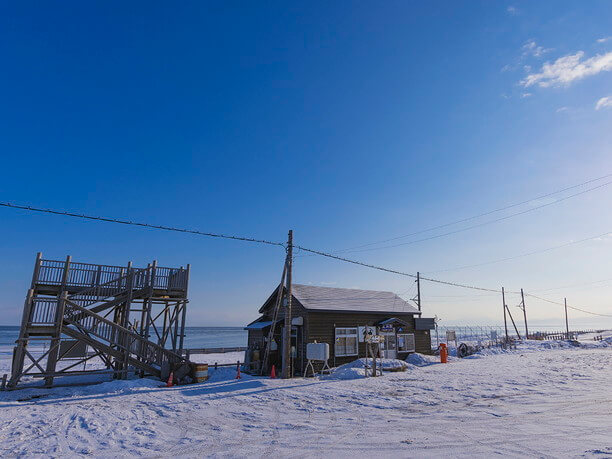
x=557, y=402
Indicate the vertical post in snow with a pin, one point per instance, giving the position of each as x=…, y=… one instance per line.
x=287, y=335
x=566, y=322
x=505, y=320
x=418, y=281
x=524, y=314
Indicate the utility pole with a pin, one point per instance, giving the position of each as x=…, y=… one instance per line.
x=418, y=281
x=524, y=314
x=286, y=373
x=505, y=320
x=566, y=322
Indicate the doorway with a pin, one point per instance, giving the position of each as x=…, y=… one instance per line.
x=390, y=346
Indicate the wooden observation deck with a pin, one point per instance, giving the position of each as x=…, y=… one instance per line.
x=133, y=319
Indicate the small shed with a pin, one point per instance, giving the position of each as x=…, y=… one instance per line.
x=340, y=317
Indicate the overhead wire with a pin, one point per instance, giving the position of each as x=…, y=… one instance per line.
x=474, y=217
x=145, y=225
x=489, y=222
x=568, y=306
x=262, y=241
x=500, y=260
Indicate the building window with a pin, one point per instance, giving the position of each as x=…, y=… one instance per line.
x=405, y=342
x=346, y=342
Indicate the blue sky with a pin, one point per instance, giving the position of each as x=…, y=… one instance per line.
x=347, y=122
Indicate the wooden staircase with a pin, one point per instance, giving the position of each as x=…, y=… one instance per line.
x=61, y=307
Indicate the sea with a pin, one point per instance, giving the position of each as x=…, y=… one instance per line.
x=195, y=337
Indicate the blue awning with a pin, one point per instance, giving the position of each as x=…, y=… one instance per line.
x=258, y=325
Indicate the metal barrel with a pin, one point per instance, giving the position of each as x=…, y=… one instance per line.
x=200, y=372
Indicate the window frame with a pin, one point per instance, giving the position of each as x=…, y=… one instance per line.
x=404, y=335
x=354, y=334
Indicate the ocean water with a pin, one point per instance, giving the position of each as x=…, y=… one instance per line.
x=196, y=337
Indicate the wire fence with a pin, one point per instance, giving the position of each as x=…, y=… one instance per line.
x=488, y=333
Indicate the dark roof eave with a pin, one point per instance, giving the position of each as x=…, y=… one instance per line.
x=353, y=311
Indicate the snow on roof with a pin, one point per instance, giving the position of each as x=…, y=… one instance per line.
x=347, y=299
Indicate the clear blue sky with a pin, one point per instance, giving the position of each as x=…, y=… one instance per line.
x=347, y=121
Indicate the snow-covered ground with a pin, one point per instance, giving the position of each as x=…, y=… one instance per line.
x=546, y=399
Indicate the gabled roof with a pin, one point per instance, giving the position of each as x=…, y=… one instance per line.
x=349, y=300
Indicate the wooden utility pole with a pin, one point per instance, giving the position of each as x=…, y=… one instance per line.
x=566, y=322
x=505, y=320
x=524, y=314
x=418, y=281
x=286, y=373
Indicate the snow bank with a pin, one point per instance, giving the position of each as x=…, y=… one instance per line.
x=356, y=369
x=421, y=360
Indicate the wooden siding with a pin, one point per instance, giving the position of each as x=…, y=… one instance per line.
x=320, y=326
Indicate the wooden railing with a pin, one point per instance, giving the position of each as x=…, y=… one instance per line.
x=137, y=279
x=86, y=275
x=83, y=321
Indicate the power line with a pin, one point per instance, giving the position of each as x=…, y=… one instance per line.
x=484, y=214
x=145, y=225
x=489, y=222
x=262, y=241
x=573, y=285
x=570, y=307
x=521, y=255
x=329, y=255
x=438, y=281
x=393, y=271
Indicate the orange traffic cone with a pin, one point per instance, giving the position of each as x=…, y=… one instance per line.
x=170, y=382
x=238, y=372
x=273, y=373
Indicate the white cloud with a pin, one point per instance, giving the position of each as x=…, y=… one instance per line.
x=512, y=10
x=525, y=94
x=604, y=39
x=562, y=109
x=531, y=48
x=604, y=102
x=568, y=69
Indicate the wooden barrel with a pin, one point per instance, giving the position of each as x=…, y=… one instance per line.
x=200, y=372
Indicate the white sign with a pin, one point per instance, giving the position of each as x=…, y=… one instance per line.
x=451, y=335
x=375, y=339
x=364, y=332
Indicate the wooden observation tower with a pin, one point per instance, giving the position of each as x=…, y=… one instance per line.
x=133, y=319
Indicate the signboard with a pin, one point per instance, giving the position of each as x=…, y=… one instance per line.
x=387, y=328
x=73, y=349
x=375, y=339
x=451, y=335
x=493, y=335
x=424, y=323
x=364, y=332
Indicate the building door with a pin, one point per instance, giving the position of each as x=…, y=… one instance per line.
x=390, y=346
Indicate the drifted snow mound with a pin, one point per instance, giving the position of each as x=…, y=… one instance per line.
x=356, y=369
x=420, y=360
x=225, y=374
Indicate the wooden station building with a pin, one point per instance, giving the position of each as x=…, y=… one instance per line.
x=339, y=317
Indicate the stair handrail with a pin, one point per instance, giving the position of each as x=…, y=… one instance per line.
x=92, y=291
x=69, y=316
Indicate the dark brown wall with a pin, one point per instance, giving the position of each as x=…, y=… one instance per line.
x=320, y=326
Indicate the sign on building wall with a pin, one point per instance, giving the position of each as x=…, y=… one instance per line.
x=366, y=331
